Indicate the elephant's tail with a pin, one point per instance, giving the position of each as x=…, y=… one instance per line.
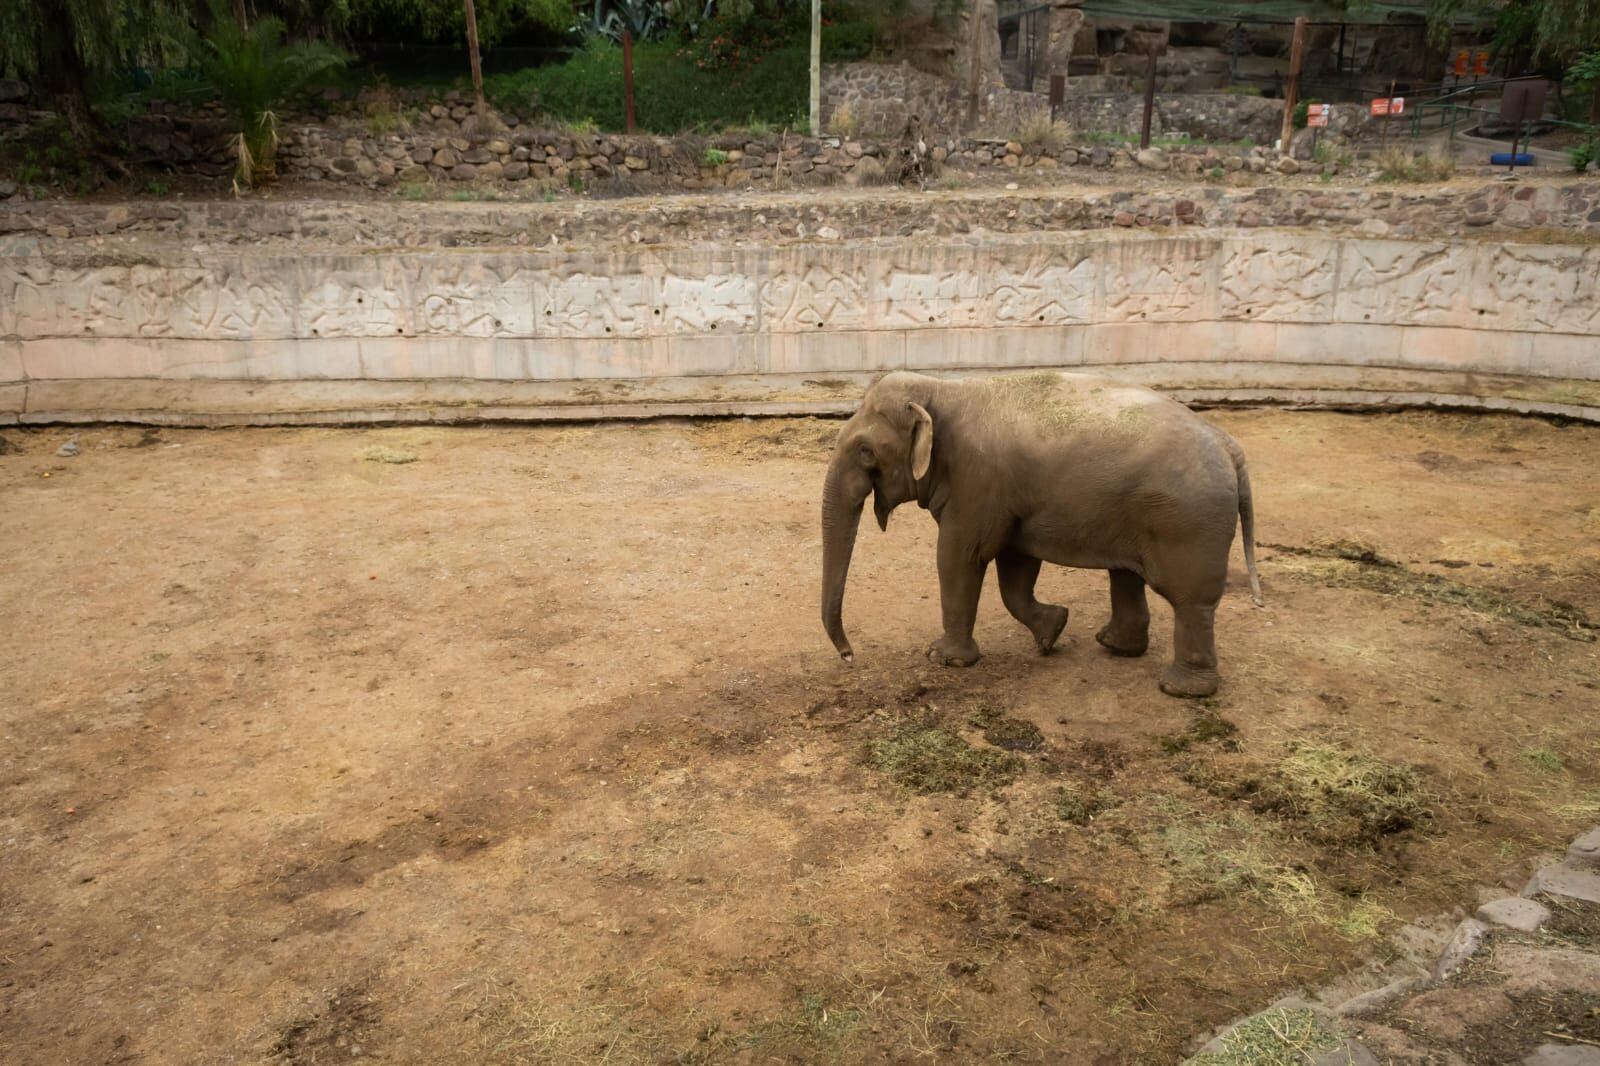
x=1247, y=523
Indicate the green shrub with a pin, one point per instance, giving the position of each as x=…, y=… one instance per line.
x=843, y=42
x=671, y=92
x=253, y=71
x=1581, y=156
x=1302, y=112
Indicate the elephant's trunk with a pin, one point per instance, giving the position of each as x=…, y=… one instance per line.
x=843, y=494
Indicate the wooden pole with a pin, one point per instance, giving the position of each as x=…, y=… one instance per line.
x=472, y=54
x=974, y=71
x=1149, y=98
x=239, y=17
x=627, y=80
x=816, y=67
x=1291, y=88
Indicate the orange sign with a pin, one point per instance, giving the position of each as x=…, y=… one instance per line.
x=1463, y=60
x=1388, y=105
x=1480, y=63
x=1317, y=115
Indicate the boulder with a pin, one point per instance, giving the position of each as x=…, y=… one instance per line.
x=1153, y=159
x=415, y=174
x=13, y=91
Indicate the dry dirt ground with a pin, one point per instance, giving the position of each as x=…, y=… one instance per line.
x=532, y=749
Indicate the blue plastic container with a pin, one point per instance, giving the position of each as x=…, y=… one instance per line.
x=1503, y=159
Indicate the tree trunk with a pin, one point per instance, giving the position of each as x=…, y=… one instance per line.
x=62, y=79
x=472, y=54
x=239, y=16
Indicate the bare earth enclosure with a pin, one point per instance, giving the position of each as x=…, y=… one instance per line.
x=526, y=745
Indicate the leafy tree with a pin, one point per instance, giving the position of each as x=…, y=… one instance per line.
x=445, y=20
x=62, y=46
x=1557, y=29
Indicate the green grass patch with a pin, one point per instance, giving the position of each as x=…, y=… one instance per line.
x=1544, y=760
x=1280, y=1037
x=1077, y=806
x=1353, y=564
x=379, y=454
x=1205, y=727
x=935, y=758
x=1003, y=731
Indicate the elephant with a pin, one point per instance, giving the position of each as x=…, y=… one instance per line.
x=1066, y=468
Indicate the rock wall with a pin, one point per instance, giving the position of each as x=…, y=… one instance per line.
x=107, y=336
x=1454, y=210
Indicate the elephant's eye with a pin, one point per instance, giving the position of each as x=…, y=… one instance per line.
x=868, y=460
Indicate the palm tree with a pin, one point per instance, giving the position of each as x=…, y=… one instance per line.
x=253, y=70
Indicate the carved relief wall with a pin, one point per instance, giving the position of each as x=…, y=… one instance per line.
x=1000, y=300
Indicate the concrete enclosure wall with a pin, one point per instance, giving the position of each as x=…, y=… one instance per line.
x=107, y=336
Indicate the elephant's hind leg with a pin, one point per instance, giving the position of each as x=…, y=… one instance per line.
x=1128, y=632
x=1193, y=670
x=1018, y=573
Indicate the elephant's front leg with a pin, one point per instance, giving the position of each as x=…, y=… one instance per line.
x=1018, y=574
x=960, y=583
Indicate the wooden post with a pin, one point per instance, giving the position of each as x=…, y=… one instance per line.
x=627, y=80
x=974, y=72
x=239, y=17
x=1291, y=88
x=472, y=54
x=816, y=67
x=1149, y=98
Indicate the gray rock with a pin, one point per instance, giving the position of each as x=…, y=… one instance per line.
x=1099, y=156
x=1373, y=227
x=1153, y=159
x=1287, y=165
x=1566, y=879
x=1348, y=1053
x=1379, y=997
x=8, y=189
x=1523, y=915
x=414, y=175
x=1464, y=943
x=1585, y=851
x=12, y=90
x=69, y=449
x=1563, y=1055
x=1069, y=157
x=446, y=158
x=515, y=171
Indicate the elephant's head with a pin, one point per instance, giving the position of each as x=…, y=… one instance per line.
x=886, y=448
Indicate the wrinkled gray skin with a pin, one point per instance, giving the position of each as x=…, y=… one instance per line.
x=1063, y=468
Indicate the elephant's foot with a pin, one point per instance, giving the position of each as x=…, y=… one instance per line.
x=1188, y=682
x=1131, y=645
x=1049, y=621
x=947, y=652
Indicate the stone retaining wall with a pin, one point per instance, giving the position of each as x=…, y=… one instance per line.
x=1455, y=210
x=89, y=334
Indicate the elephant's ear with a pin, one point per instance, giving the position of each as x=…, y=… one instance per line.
x=921, y=441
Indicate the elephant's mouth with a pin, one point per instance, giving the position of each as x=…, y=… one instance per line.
x=881, y=507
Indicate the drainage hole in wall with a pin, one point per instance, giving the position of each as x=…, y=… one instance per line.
x=819, y=324
x=658, y=310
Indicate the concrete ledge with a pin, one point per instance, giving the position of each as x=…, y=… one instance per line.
x=259, y=403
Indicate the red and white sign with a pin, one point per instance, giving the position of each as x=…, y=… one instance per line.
x=1388, y=105
x=1463, y=60
x=1317, y=115
x=1480, y=63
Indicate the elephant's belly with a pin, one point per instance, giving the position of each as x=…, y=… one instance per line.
x=1069, y=548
